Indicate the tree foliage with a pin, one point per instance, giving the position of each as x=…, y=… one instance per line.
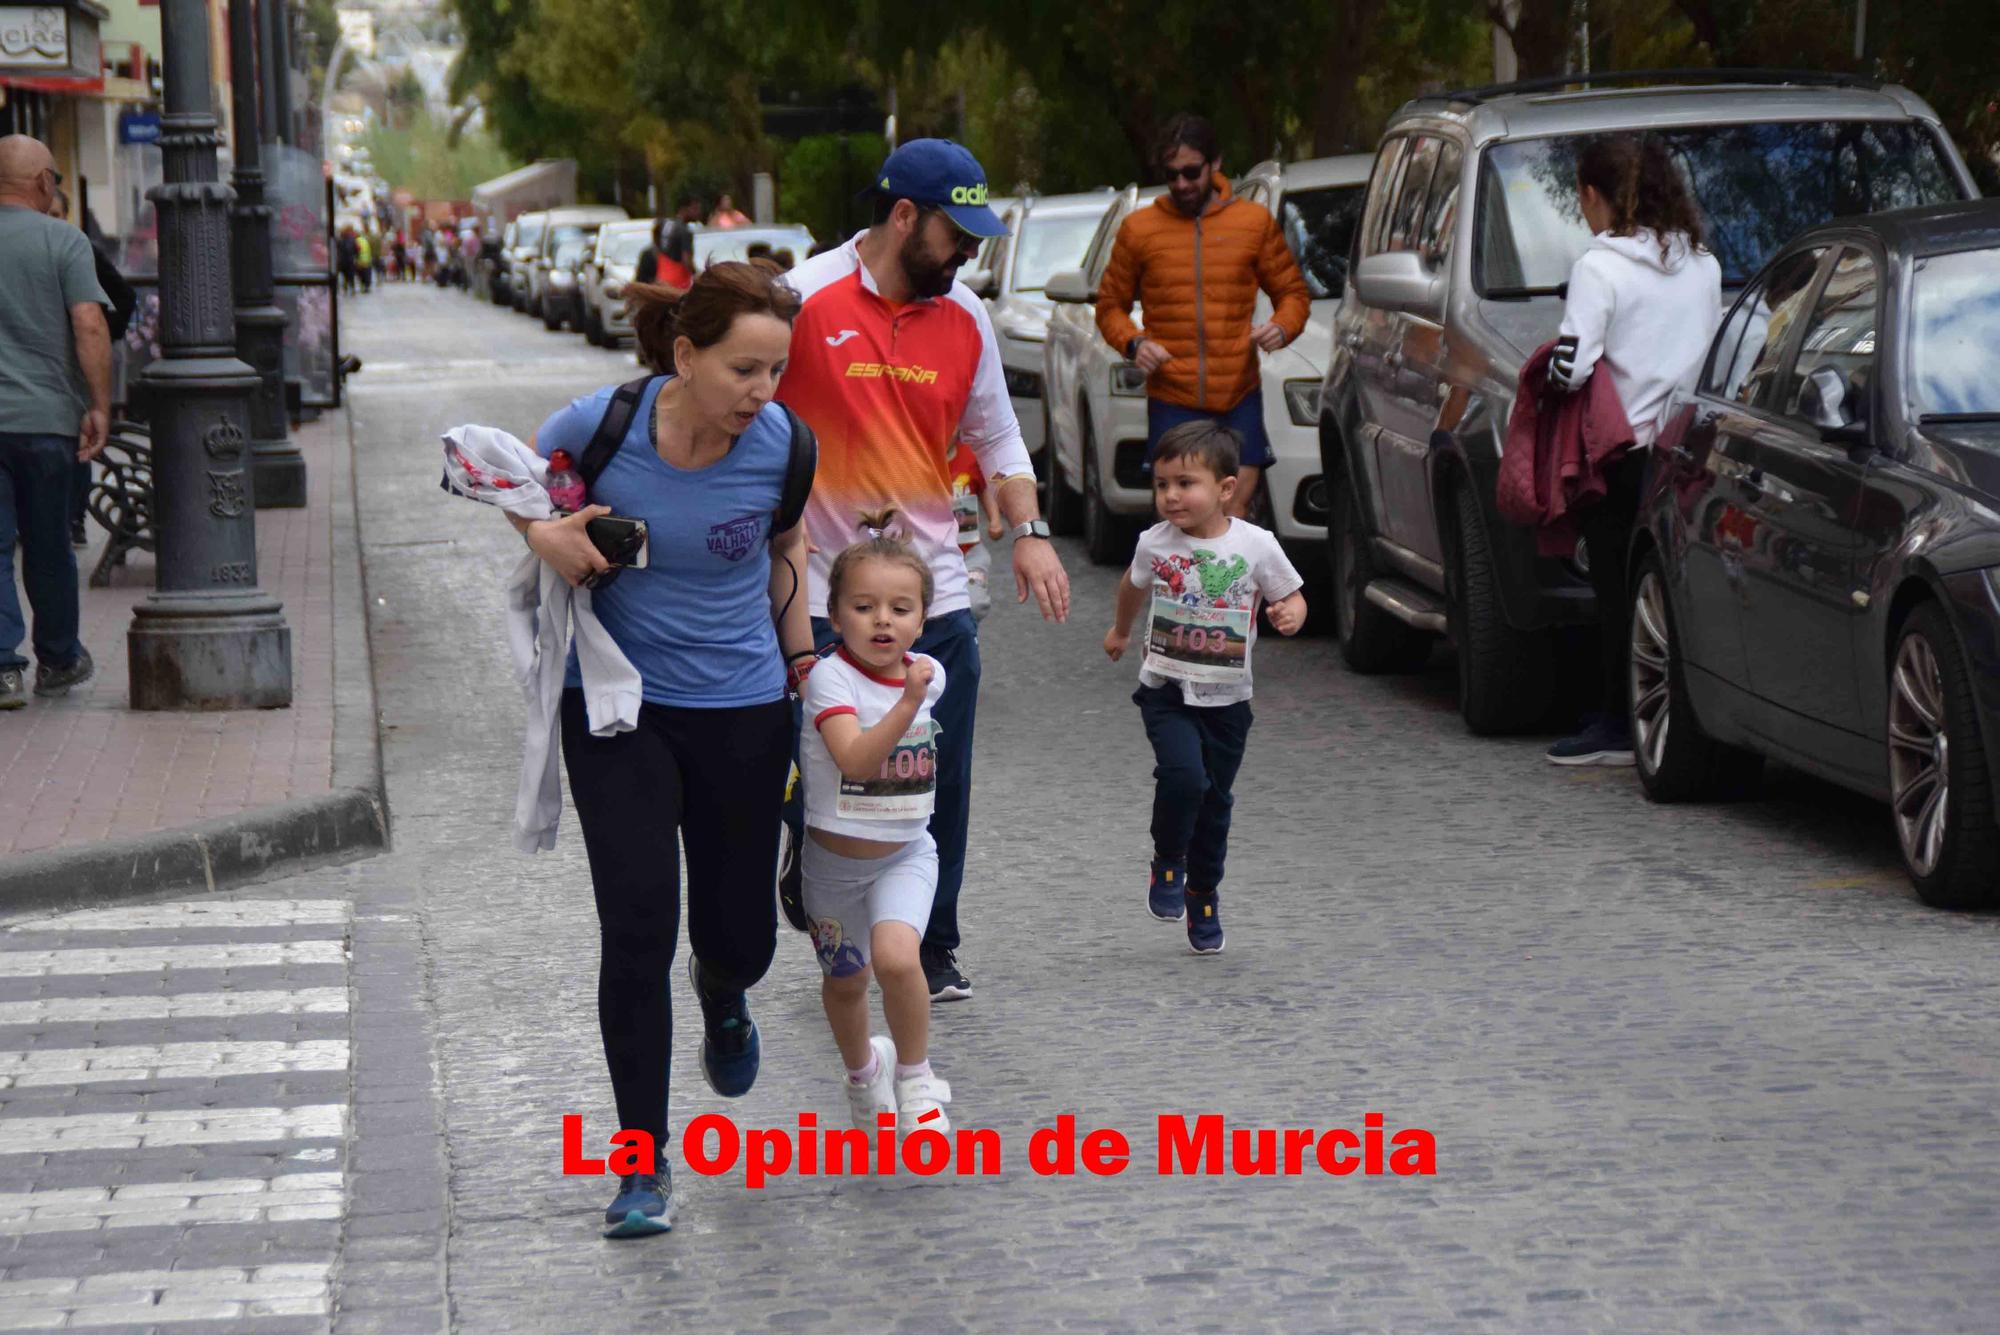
x=1063, y=96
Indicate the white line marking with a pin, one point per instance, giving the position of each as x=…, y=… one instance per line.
x=179, y=1126
x=150, y=1297
x=196, y=913
x=238, y=1200
x=156, y=959
x=185, y=1005
x=168, y=1061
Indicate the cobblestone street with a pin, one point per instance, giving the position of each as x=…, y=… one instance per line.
x=1702, y=1068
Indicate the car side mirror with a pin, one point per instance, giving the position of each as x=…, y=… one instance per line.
x=1400, y=281
x=1069, y=285
x=979, y=280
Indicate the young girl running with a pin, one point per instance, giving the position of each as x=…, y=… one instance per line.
x=870, y=866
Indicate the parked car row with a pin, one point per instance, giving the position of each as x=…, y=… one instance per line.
x=569, y=267
x=1817, y=567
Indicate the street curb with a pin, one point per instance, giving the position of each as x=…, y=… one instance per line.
x=349, y=822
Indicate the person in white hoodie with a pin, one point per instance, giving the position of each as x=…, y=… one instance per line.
x=1644, y=301
x=708, y=622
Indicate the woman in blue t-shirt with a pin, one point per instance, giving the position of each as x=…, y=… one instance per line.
x=704, y=623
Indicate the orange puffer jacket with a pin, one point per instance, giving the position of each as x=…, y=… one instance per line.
x=1198, y=280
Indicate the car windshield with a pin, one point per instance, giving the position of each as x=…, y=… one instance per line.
x=569, y=254
x=564, y=234
x=1319, y=227
x=1757, y=185
x=733, y=243
x=624, y=247
x=1954, y=327
x=1050, y=245
x=530, y=234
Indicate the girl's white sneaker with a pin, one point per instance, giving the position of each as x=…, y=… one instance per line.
x=879, y=1094
x=918, y=1095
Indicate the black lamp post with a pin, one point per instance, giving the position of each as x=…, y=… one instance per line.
x=206, y=637
x=277, y=469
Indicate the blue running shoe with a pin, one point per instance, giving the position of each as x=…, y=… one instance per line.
x=640, y=1209
x=1204, y=919
x=1164, y=893
x=729, y=1047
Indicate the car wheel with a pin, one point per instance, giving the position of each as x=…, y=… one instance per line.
x=1505, y=674
x=1940, y=785
x=1106, y=537
x=551, y=315
x=1677, y=761
x=1065, y=505
x=593, y=329
x=1371, y=640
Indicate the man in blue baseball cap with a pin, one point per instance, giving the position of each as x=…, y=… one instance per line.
x=893, y=360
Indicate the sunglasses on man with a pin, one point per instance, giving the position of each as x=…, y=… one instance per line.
x=1193, y=173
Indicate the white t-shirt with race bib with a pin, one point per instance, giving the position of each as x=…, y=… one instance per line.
x=896, y=805
x=1200, y=620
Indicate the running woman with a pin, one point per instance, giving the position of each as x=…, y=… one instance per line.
x=704, y=464
x=892, y=357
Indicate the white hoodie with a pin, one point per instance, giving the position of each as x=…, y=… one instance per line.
x=486, y=464
x=1648, y=319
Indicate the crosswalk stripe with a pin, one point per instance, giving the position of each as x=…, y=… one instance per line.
x=147, y=1130
x=235, y=1200
x=188, y=914
x=185, y=1005
x=168, y=1061
x=151, y=1297
x=153, y=959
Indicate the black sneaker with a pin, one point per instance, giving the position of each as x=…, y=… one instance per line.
x=640, y=1208
x=942, y=972
x=13, y=688
x=1605, y=740
x=57, y=681
x=1204, y=922
x=77, y=536
x=729, y=1046
x=1166, y=891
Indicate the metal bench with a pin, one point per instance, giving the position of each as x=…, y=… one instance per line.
x=121, y=499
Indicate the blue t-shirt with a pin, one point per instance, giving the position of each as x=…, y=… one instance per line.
x=696, y=622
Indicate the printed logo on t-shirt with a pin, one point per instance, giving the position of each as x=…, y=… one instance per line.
x=906, y=787
x=733, y=539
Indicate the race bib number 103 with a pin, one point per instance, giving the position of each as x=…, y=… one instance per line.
x=1202, y=644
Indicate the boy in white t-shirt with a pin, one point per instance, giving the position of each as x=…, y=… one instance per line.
x=869, y=865
x=1199, y=576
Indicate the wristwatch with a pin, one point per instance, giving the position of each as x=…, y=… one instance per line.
x=1132, y=346
x=1032, y=528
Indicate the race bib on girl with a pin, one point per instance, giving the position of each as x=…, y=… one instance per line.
x=906, y=788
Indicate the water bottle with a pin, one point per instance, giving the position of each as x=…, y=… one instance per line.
x=565, y=486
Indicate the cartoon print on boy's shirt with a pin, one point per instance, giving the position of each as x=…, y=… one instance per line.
x=842, y=957
x=1199, y=627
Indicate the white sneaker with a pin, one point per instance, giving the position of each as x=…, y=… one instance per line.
x=918, y=1095
x=879, y=1094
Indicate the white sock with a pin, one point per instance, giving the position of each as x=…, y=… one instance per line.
x=866, y=1073
x=921, y=1068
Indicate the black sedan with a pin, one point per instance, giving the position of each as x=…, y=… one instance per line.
x=1818, y=568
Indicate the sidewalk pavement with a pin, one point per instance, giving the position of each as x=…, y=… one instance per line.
x=98, y=801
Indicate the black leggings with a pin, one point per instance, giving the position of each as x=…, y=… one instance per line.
x=1607, y=529
x=717, y=777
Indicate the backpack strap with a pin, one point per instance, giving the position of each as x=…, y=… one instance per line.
x=799, y=471
x=611, y=429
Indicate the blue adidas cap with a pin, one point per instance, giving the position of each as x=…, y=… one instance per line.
x=941, y=173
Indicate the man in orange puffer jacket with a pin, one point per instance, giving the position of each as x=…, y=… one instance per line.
x=1195, y=260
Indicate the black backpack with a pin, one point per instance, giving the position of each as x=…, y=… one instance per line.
x=617, y=420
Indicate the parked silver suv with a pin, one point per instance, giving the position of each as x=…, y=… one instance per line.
x=1461, y=260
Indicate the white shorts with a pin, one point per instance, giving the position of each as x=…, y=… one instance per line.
x=845, y=897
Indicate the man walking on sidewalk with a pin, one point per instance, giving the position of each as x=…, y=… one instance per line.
x=891, y=358
x=55, y=408
x=1195, y=260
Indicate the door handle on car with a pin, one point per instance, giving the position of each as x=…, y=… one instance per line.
x=1351, y=341
x=1394, y=360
